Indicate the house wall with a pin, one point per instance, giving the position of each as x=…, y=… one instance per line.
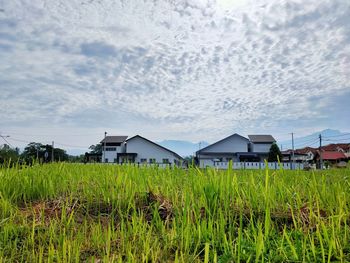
x=234, y=143
x=261, y=147
x=147, y=150
x=111, y=155
x=223, y=156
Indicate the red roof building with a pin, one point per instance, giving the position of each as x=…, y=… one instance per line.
x=333, y=156
x=339, y=147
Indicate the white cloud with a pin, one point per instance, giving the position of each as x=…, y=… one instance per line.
x=184, y=69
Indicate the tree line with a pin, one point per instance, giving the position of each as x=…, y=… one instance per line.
x=38, y=152
x=34, y=151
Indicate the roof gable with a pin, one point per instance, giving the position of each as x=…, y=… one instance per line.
x=149, y=141
x=333, y=155
x=218, y=142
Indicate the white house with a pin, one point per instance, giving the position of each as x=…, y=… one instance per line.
x=224, y=150
x=236, y=148
x=111, y=146
x=142, y=150
x=137, y=149
x=260, y=145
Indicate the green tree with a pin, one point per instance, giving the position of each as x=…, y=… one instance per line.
x=60, y=155
x=8, y=154
x=274, y=153
x=96, y=149
x=76, y=159
x=43, y=152
x=32, y=151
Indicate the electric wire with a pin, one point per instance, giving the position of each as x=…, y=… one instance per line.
x=3, y=137
x=340, y=135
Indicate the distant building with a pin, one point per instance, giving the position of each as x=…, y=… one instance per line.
x=236, y=148
x=137, y=149
x=312, y=155
x=330, y=157
x=141, y=150
x=260, y=145
x=305, y=155
x=287, y=156
x=111, y=146
x=93, y=157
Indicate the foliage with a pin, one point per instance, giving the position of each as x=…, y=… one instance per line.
x=274, y=153
x=190, y=160
x=327, y=164
x=8, y=154
x=76, y=159
x=96, y=149
x=65, y=212
x=42, y=152
x=32, y=151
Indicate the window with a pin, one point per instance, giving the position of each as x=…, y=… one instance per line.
x=111, y=149
x=165, y=160
x=152, y=160
x=143, y=160
x=106, y=160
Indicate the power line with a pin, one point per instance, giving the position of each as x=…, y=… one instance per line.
x=313, y=143
x=340, y=135
x=75, y=146
x=306, y=143
x=47, y=142
x=337, y=140
x=3, y=137
x=20, y=140
x=26, y=134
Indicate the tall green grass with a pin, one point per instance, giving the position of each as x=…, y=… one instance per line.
x=99, y=213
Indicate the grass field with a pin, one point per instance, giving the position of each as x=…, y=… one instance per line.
x=75, y=213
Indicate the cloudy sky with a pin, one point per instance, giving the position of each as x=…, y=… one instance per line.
x=172, y=69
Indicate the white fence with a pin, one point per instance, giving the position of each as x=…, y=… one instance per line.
x=160, y=165
x=225, y=165
x=259, y=165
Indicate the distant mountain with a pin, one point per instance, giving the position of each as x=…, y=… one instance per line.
x=183, y=148
x=76, y=152
x=328, y=136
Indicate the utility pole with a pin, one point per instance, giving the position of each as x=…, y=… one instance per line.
x=5, y=136
x=292, y=150
x=321, y=161
x=104, y=149
x=52, y=154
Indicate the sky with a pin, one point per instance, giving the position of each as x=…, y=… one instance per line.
x=196, y=70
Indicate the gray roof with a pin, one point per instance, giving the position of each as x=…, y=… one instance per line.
x=114, y=139
x=261, y=138
x=235, y=134
x=160, y=146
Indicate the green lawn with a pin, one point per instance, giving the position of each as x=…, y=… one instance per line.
x=103, y=213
